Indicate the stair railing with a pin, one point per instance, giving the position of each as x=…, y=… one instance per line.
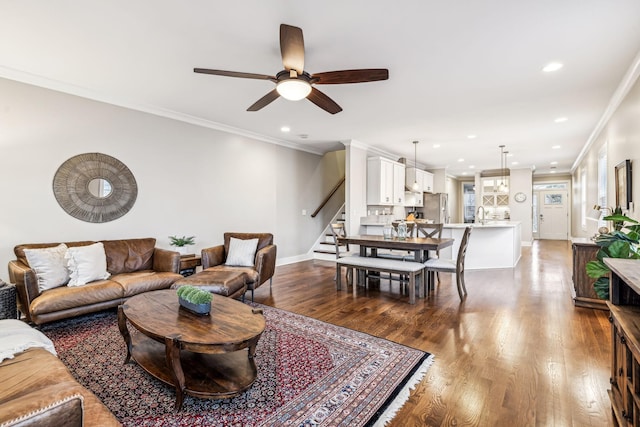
x=326, y=199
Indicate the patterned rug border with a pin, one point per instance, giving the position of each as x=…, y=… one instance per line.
x=401, y=379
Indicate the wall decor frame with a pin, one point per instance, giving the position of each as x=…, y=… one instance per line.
x=95, y=187
x=623, y=184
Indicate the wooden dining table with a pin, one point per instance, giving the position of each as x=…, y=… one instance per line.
x=420, y=246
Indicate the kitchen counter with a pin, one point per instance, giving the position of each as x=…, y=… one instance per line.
x=496, y=244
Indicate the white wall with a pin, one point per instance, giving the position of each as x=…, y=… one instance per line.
x=521, y=180
x=191, y=180
x=621, y=136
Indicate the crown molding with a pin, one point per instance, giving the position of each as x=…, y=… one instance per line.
x=82, y=92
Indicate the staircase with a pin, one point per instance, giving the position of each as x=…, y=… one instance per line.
x=325, y=248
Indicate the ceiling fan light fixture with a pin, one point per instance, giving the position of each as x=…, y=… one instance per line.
x=293, y=89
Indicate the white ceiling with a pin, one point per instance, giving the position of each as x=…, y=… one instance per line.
x=456, y=68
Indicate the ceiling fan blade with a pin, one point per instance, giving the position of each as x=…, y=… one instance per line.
x=350, y=76
x=292, y=48
x=264, y=101
x=323, y=101
x=235, y=74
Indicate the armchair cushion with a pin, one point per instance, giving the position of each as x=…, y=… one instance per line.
x=242, y=253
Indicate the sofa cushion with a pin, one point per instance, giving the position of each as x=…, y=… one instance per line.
x=242, y=252
x=49, y=265
x=66, y=297
x=144, y=281
x=128, y=255
x=250, y=274
x=86, y=264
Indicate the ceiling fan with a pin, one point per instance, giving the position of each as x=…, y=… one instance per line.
x=293, y=83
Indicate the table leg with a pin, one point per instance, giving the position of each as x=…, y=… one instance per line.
x=124, y=331
x=172, y=354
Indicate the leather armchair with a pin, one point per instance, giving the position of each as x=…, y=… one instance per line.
x=265, y=261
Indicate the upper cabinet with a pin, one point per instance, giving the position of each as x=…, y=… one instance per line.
x=385, y=182
x=492, y=194
x=423, y=178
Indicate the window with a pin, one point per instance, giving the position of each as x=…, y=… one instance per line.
x=583, y=198
x=602, y=181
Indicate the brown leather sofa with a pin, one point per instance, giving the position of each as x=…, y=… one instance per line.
x=135, y=265
x=38, y=390
x=214, y=258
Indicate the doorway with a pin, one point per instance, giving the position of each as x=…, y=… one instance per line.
x=552, y=214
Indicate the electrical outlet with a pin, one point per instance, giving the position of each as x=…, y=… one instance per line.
x=304, y=212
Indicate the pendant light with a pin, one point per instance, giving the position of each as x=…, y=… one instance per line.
x=415, y=187
x=503, y=160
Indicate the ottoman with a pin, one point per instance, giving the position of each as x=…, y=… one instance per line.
x=227, y=283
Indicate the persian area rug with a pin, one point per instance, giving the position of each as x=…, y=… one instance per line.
x=310, y=373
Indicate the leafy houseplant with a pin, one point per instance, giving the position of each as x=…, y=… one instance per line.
x=622, y=242
x=181, y=242
x=195, y=300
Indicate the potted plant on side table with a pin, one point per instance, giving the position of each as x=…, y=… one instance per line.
x=181, y=242
x=622, y=242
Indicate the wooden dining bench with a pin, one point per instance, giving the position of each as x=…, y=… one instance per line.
x=409, y=268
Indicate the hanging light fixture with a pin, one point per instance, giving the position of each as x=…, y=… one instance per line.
x=502, y=187
x=415, y=187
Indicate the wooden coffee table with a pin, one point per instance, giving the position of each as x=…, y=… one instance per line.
x=203, y=356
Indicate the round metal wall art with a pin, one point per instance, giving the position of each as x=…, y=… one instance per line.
x=95, y=187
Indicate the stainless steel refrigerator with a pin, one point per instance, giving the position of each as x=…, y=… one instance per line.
x=436, y=208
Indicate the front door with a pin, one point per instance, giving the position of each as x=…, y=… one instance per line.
x=553, y=217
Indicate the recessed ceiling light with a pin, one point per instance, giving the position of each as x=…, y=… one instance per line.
x=472, y=166
x=552, y=171
x=285, y=129
x=554, y=163
x=461, y=160
x=561, y=120
x=464, y=173
x=508, y=154
x=555, y=147
x=436, y=145
x=472, y=136
x=515, y=163
x=552, y=66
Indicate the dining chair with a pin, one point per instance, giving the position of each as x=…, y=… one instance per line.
x=452, y=266
x=338, y=230
x=433, y=231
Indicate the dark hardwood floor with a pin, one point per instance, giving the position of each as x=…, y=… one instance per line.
x=515, y=353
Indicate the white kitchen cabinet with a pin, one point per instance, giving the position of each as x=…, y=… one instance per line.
x=385, y=182
x=398, y=184
x=427, y=182
x=424, y=180
x=412, y=199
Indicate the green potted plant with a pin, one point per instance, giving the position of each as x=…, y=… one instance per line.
x=195, y=300
x=181, y=242
x=621, y=242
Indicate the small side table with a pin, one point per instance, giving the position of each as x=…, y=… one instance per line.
x=188, y=264
x=8, y=306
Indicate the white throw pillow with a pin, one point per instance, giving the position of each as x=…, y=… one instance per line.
x=242, y=253
x=49, y=265
x=86, y=264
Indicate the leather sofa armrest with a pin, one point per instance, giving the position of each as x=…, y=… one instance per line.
x=166, y=260
x=26, y=285
x=40, y=408
x=212, y=256
x=266, y=263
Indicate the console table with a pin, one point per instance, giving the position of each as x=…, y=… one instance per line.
x=624, y=306
x=584, y=294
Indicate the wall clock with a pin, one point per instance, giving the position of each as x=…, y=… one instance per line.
x=520, y=197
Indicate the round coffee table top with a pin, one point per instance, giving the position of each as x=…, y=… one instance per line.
x=158, y=315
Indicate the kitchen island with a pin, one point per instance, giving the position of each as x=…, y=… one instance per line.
x=496, y=244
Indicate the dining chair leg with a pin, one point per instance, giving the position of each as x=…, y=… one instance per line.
x=462, y=282
x=337, y=277
x=459, y=286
